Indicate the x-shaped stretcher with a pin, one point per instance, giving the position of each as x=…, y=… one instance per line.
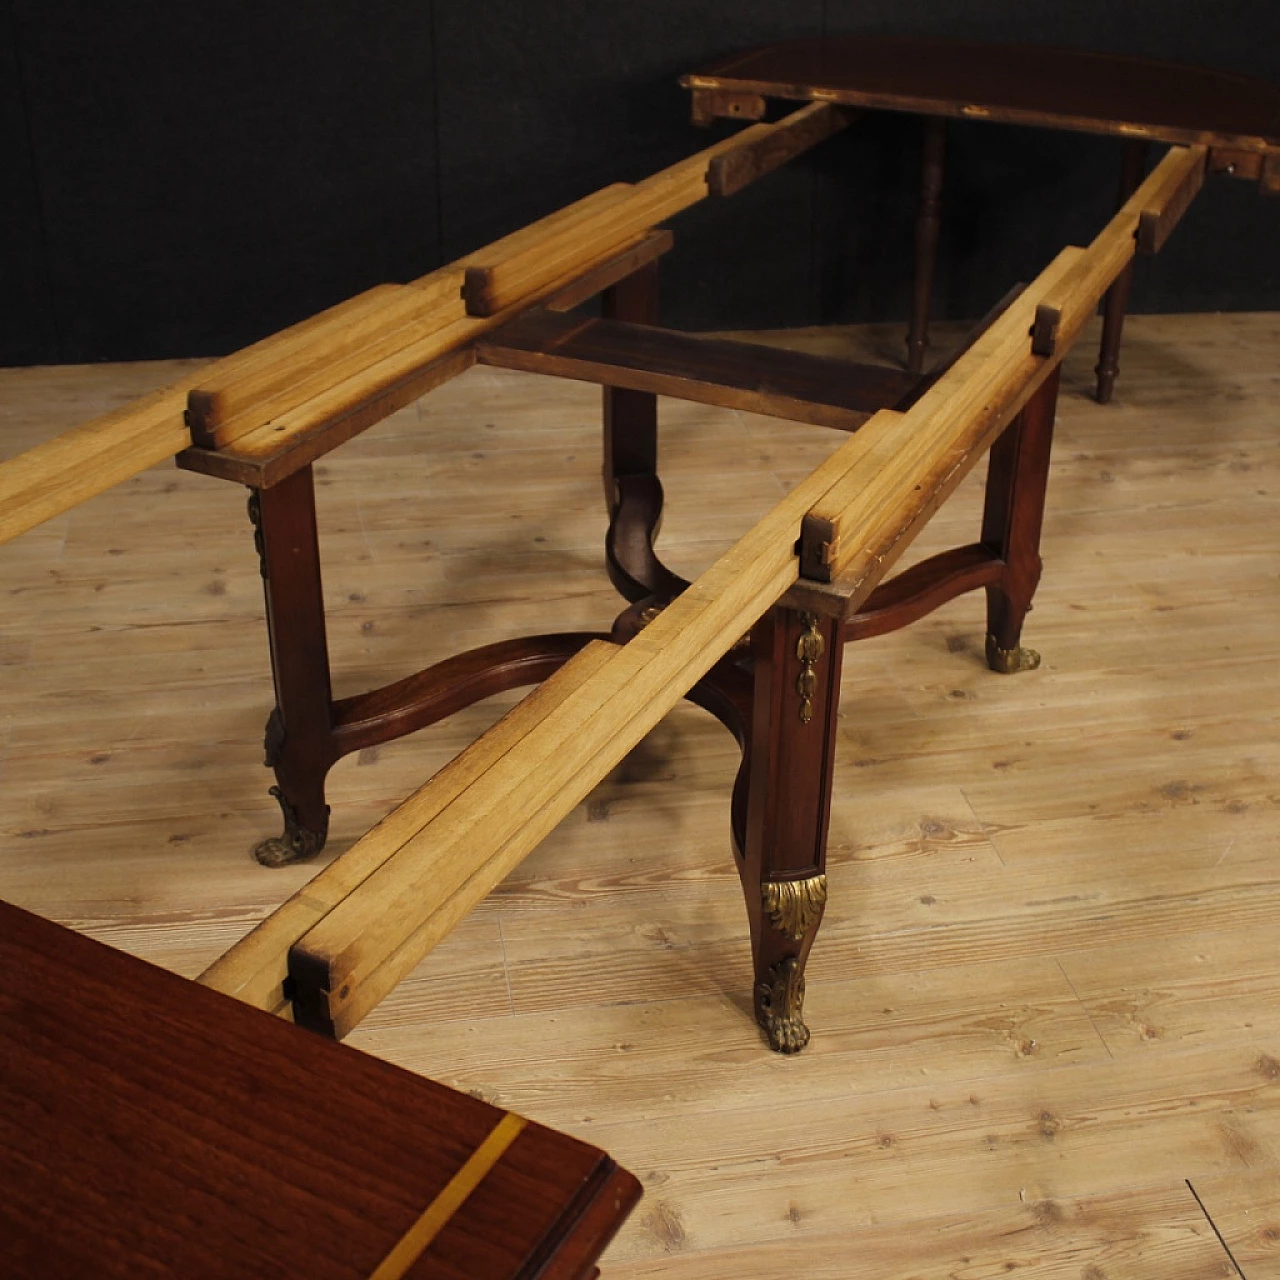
x=757, y=639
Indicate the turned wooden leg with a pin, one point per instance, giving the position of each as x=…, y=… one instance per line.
x=1117, y=297
x=299, y=739
x=787, y=804
x=1017, y=477
x=928, y=225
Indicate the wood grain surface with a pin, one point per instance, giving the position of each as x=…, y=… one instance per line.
x=1018, y=84
x=154, y=1126
x=1054, y=892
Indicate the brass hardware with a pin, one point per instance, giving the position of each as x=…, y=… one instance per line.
x=298, y=842
x=794, y=905
x=1009, y=661
x=809, y=648
x=780, y=1007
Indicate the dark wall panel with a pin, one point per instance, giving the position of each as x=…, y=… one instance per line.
x=211, y=173
x=1014, y=196
x=543, y=101
x=27, y=332
x=179, y=179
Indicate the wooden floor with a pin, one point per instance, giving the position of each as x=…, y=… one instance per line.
x=1046, y=1032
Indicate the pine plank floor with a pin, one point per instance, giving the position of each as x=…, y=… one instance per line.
x=1044, y=1000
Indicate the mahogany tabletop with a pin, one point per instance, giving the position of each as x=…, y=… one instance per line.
x=1018, y=84
x=151, y=1126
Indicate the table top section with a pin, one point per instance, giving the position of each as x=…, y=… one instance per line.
x=1016, y=84
x=149, y=1125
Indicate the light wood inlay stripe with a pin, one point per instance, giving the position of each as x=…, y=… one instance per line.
x=415, y=1242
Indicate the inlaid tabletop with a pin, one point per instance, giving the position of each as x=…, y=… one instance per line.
x=1022, y=84
x=151, y=1126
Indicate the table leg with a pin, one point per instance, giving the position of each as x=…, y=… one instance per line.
x=633, y=492
x=299, y=739
x=1132, y=165
x=790, y=756
x=1017, y=477
x=630, y=417
x=928, y=225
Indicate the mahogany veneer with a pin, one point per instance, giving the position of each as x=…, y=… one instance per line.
x=152, y=1126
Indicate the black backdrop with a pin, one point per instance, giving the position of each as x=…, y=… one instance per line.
x=180, y=179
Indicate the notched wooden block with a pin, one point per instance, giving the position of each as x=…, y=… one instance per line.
x=1271, y=174
x=1157, y=221
x=478, y=292
x=819, y=547
x=726, y=104
x=1045, y=330
x=1235, y=163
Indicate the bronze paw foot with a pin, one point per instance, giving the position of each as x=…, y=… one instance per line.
x=780, y=1005
x=296, y=844
x=1009, y=661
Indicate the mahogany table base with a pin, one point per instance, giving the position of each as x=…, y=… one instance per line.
x=778, y=692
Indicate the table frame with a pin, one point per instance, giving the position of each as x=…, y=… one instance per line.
x=778, y=693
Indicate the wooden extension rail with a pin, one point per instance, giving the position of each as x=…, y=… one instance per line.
x=982, y=390
x=291, y=381
x=343, y=942
x=405, y=884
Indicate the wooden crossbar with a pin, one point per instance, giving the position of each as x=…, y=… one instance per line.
x=736, y=375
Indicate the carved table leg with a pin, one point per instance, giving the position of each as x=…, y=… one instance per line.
x=299, y=739
x=1117, y=297
x=928, y=225
x=797, y=661
x=1016, y=481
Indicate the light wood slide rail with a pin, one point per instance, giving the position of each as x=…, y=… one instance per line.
x=854, y=535
x=731, y=171
x=357, y=347
x=230, y=402
x=237, y=399
x=403, y=892
x=362, y=382
x=498, y=278
x=256, y=968
x=1156, y=205
x=855, y=532
x=281, y=446
x=403, y=887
